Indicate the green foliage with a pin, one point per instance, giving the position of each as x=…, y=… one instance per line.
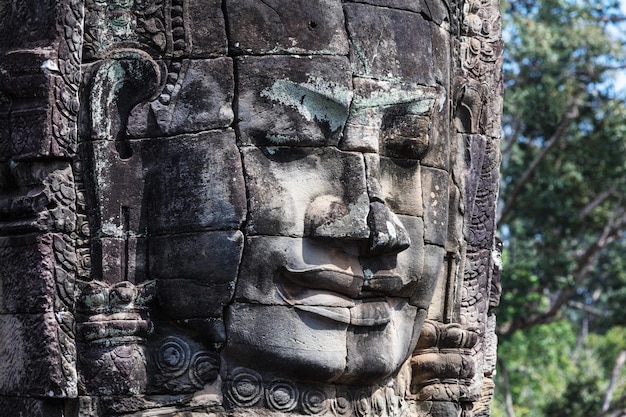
x=563, y=195
x=560, y=110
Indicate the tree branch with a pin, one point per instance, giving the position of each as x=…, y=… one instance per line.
x=585, y=261
x=568, y=117
x=601, y=198
x=619, y=363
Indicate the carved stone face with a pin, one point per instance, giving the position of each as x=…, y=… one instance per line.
x=295, y=193
x=346, y=169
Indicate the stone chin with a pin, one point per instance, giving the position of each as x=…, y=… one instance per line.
x=309, y=345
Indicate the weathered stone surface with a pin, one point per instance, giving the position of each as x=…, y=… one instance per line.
x=435, y=271
x=400, y=184
x=41, y=103
x=197, y=96
x=29, y=344
x=196, y=273
x=113, y=370
x=383, y=45
x=312, y=202
x=305, y=27
x=268, y=200
x=180, y=364
x=402, y=273
x=292, y=100
x=378, y=350
x=434, y=10
x=298, y=343
x=205, y=30
x=435, y=196
x=163, y=27
x=27, y=282
x=194, y=182
x=119, y=259
x=271, y=263
x=32, y=407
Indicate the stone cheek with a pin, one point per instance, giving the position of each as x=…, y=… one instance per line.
x=193, y=183
x=285, y=186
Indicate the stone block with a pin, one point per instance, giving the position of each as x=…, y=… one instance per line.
x=434, y=10
x=383, y=44
x=392, y=117
x=438, y=155
x=193, y=182
x=168, y=29
x=27, y=281
x=293, y=100
x=197, y=96
x=207, y=257
x=119, y=259
x=179, y=363
x=306, y=191
x=32, y=350
x=186, y=298
x=435, y=269
x=205, y=26
x=436, y=198
x=209, y=331
x=196, y=273
x=377, y=351
x=117, y=177
x=283, y=340
x=112, y=369
x=398, y=183
x=15, y=34
x=304, y=27
x=32, y=407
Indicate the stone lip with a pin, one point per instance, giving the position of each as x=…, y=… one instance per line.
x=326, y=277
x=336, y=294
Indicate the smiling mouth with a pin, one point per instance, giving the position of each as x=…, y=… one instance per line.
x=334, y=294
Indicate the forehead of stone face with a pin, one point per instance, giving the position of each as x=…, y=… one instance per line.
x=292, y=27
x=396, y=42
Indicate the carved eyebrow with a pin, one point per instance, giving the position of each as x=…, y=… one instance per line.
x=371, y=93
x=419, y=101
x=315, y=100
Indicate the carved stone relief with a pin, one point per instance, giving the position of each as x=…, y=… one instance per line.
x=248, y=207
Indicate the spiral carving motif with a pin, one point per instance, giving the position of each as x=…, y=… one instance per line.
x=173, y=357
x=245, y=388
x=315, y=402
x=203, y=369
x=282, y=396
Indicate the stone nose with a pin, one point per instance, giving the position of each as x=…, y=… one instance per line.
x=372, y=224
x=387, y=234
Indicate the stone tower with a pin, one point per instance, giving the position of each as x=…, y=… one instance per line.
x=248, y=207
